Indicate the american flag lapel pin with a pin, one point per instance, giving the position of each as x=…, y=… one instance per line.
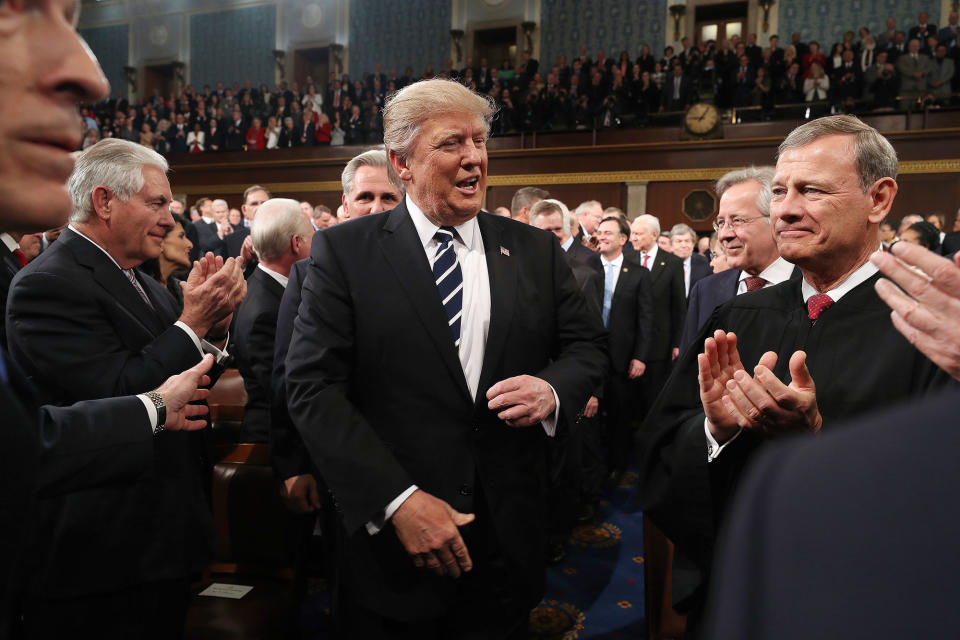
x=504, y=251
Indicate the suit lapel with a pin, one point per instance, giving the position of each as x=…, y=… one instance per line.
x=113, y=281
x=502, y=271
x=402, y=249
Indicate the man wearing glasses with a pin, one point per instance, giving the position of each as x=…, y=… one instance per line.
x=743, y=228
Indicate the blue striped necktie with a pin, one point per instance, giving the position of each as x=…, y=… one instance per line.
x=132, y=277
x=449, y=279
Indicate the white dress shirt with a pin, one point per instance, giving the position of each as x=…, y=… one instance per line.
x=279, y=277
x=653, y=256
x=617, y=263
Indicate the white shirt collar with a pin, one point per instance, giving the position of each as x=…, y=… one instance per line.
x=616, y=262
x=279, y=277
x=652, y=253
x=426, y=228
x=856, y=278
x=9, y=241
x=778, y=271
x=566, y=245
x=74, y=229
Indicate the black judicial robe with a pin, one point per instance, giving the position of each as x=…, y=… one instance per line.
x=858, y=361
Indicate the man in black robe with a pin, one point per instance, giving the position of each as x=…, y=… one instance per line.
x=821, y=348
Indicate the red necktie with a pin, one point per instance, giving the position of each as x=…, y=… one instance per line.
x=818, y=304
x=754, y=282
x=646, y=259
x=21, y=257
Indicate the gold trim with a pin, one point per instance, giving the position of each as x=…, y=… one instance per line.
x=907, y=167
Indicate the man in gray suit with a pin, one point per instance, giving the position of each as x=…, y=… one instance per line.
x=913, y=69
x=941, y=73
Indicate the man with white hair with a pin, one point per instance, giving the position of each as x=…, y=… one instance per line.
x=84, y=323
x=589, y=214
x=220, y=211
x=746, y=235
x=281, y=235
x=435, y=349
x=669, y=303
x=794, y=358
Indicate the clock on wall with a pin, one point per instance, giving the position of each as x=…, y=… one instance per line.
x=702, y=121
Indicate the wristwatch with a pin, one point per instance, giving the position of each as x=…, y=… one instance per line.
x=161, y=408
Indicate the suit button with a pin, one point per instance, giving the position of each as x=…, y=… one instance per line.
x=476, y=428
x=466, y=490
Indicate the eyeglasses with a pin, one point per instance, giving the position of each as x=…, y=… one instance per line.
x=733, y=223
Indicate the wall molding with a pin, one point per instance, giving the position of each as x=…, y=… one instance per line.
x=907, y=167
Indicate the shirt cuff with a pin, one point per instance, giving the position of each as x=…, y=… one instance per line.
x=193, y=336
x=550, y=422
x=713, y=448
x=151, y=412
x=219, y=355
x=375, y=525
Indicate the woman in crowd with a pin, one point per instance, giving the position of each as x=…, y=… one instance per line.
x=273, y=133
x=817, y=84
x=171, y=266
x=196, y=139
x=924, y=234
x=336, y=131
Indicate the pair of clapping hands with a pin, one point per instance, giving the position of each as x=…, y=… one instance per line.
x=923, y=291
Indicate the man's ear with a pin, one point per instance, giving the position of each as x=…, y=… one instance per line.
x=882, y=194
x=103, y=200
x=399, y=164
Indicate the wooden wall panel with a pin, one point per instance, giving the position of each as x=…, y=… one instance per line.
x=665, y=200
x=926, y=194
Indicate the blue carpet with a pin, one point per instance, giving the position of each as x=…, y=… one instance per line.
x=598, y=590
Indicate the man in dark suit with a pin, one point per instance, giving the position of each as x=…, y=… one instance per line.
x=627, y=313
x=669, y=303
x=83, y=324
x=435, y=351
x=746, y=237
x=281, y=236
x=557, y=219
x=794, y=358
x=695, y=267
x=12, y=259
x=677, y=92
x=923, y=29
x=844, y=478
x=203, y=232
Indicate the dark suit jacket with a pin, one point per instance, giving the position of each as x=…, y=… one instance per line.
x=826, y=518
x=49, y=451
x=204, y=238
x=951, y=243
x=79, y=330
x=377, y=391
x=590, y=284
x=579, y=253
x=686, y=93
x=254, y=329
x=233, y=242
x=9, y=266
x=699, y=269
x=631, y=314
x=669, y=304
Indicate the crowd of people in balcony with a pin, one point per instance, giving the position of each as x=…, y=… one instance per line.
x=893, y=69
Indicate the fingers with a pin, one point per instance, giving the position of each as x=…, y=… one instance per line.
x=944, y=274
x=510, y=384
x=799, y=372
x=915, y=314
x=768, y=360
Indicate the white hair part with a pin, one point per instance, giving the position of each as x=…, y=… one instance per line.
x=650, y=222
x=114, y=163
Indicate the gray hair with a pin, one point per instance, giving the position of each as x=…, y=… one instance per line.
x=374, y=158
x=526, y=197
x=546, y=207
x=277, y=221
x=405, y=111
x=584, y=207
x=650, y=222
x=873, y=154
x=114, y=163
x=682, y=229
x=219, y=202
x=761, y=175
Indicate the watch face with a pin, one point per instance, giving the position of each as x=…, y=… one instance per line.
x=701, y=118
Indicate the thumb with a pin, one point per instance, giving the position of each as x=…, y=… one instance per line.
x=460, y=519
x=768, y=360
x=202, y=367
x=799, y=372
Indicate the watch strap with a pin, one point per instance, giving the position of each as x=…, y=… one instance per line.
x=161, y=408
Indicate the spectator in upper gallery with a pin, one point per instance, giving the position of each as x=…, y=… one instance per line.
x=881, y=83
x=196, y=139
x=741, y=80
x=336, y=130
x=847, y=80
x=923, y=29
x=813, y=55
x=790, y=86
x=523, y=200
x=886, y=37
x=272, y=133
x=677, y=90
x=948, y=35
x=867, y=54
x=289, y=136
x=817, y=85
x=256, y=137
x=914, y=69
x=177, y=135
x=897, y=47
x=307, y=131
x=941, y=73
x=354, y=129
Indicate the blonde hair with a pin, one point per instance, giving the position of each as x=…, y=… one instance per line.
x=406, y=110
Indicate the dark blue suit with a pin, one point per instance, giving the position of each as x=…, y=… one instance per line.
x=705, y=296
